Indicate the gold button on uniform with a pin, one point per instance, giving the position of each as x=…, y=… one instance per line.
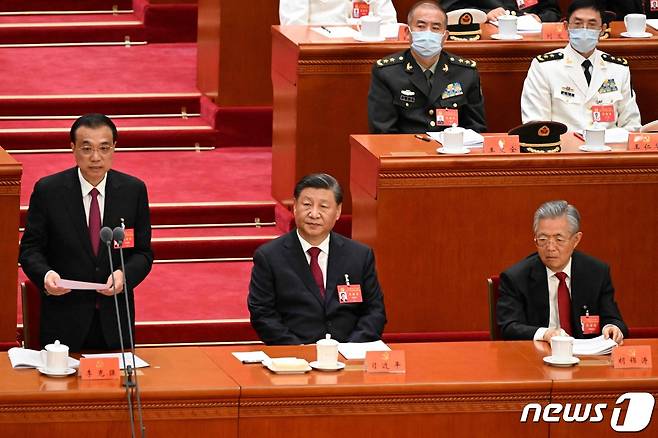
x=432, y=124
x=454, y=105
x=431, y=112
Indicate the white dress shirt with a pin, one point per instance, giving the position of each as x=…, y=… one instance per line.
x=314, y=12
x=86, y=194
x=323, y=257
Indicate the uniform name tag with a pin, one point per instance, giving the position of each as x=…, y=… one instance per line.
x=447, y=117
x=654, y=5
x=349, y=293
x=522, y=4
x=603, y=113
x=360, y=9
x=128, y=239
x=590, y=324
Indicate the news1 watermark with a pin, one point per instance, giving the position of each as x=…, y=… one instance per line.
x=631, y=412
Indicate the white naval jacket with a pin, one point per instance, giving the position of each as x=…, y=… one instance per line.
x=556, y=89
x=305, y=12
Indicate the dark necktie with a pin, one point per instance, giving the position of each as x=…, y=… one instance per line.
x=428, y=76
x=94, y=221
x=586, y=65
x=564, y=303
x=314, y=252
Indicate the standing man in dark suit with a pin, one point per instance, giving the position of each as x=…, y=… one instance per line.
x=556, y=289
x=62, y=241
x=410, y=91
x=296, y=278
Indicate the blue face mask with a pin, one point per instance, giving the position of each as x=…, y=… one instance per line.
x=426, y=43
x=583, y=40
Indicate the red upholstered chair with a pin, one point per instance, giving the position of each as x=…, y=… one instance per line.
x=494, y=294
x=31, y=298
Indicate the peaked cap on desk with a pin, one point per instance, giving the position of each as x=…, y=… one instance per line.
x=539, y=136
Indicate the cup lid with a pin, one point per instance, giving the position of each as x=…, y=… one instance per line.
x=327, y=340
x=57, y=347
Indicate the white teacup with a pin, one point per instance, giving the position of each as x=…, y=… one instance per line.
x=327, y=350
x=595, y=136
x=371, y=27
x=56, y=357
x=636, y=24
x=562, y=347
x=453, y=138
x=507, y=26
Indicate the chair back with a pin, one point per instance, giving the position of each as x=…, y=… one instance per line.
x=31, y=299
x=494, y=294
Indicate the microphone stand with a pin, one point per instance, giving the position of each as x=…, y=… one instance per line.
x=119, y=235
x=107, y=239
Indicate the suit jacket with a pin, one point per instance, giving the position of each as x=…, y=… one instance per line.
x=400, y=100
x=547, y=10
x=285, y=303
x=624, y=7
x=57, y=238
x=523, y=304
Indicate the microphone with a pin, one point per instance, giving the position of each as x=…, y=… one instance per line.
x=119, y=235
x=106, y=235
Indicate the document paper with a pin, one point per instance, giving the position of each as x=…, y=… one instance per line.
x=26, y=358
x=593, y=347
x=80, y=285
x=139, y=362
x=357, y=350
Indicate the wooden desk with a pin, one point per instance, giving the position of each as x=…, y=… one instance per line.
x=184, y=394
x=594, y=380
x=321, y=88
x=464, y=389
x=440, y=225
x=10, y=190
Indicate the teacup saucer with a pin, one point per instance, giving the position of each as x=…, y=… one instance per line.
x=595, y=148
x=366, y=39
x=498, y=36
x=573, y=360
x=316, y=365
x=458, y=151
x=64, y=373
x=636, y=35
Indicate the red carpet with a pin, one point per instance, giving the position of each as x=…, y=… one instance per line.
x=230, y=174
x=61, y=5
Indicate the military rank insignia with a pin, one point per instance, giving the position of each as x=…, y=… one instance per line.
x=608, y=86
x=452, y=90
x=567, y=91
x=407, y=96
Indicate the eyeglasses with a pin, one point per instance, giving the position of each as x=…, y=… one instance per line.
x=560, y=241
x=102, y=150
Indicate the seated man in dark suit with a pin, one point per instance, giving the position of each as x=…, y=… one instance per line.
x=550, y=291
x=62, y=241
x=296, y=278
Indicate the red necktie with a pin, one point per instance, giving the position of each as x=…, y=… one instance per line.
x=564, y=303
x=314, y=252
x=94, y=221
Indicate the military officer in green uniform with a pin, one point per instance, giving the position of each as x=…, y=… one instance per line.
x=425, y=88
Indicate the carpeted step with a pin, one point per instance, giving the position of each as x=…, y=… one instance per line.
x=160, y=132
x=64, y=5
x=72, y=105
x=211, y=181
x=207, y=248
x=228, y=231
x=48, y=29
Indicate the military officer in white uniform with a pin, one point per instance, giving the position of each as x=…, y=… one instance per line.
x=580, y=85
x=423, y=88
x=305, y=12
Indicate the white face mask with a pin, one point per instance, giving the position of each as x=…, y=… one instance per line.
x=426, y=43
x=583, y=40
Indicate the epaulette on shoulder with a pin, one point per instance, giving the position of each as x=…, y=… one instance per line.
x=390, y=60
x=551, y=56
x=615, y=59
x=456, y=60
